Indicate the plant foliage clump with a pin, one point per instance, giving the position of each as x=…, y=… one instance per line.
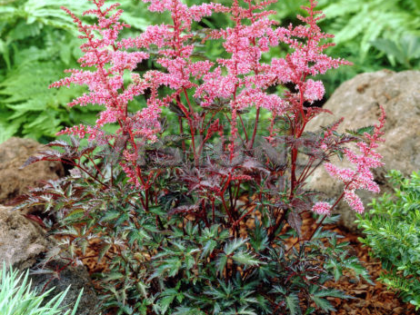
x=392, y=230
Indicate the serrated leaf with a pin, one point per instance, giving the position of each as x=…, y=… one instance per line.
x=244, y=310
x=259, y=240
x=292, y=303
x=278, y=289
x=102, y=252
x=336, y=268
x=246, y=259
x=75, y=214
x=295, y=221
x=157, y=210
x=363, y=130
x=123, y=218
x=165, y=302
x=233, y=245
x=110, y=216
x=221, y=263
x=113, y=276
x=320, y=234
x=184, y=310
x=323, y=304
x=208, y=248
x=331, y=293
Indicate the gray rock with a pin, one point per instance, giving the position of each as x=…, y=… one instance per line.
x=358, y=101
x=21, y=241
x=15, y=181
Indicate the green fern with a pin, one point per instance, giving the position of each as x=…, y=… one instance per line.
x=367, y=20
x=36, y=45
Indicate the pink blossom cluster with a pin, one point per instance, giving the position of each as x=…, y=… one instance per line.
x=322, y=208
x=360, y=177
x=246, y=79
x=105, y=83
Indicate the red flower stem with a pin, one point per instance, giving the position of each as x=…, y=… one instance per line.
x=306, y=170
x=181, y=131
x=257, y=118
x=236, y=223
x=226, y=208
x=96, y=166
x=213, y=210
x=188, y=101
x=320, y=222
x=91, y=175
x=190, y=124
x=243, y=127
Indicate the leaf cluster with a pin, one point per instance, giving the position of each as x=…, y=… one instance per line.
x=372, y=19
x=370, y=34
x=373, y=34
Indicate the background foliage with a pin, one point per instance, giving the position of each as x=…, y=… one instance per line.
x=37, y=43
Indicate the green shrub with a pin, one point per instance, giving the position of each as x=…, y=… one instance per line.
x=393, y=232
x=17, y=298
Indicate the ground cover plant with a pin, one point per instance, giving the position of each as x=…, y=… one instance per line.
x=18, y=298
x=204, y=216
x=393, y=231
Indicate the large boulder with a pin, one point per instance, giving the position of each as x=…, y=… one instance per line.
x=358, y=100
x=15, y=181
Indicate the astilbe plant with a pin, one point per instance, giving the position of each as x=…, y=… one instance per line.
x=206, y=219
